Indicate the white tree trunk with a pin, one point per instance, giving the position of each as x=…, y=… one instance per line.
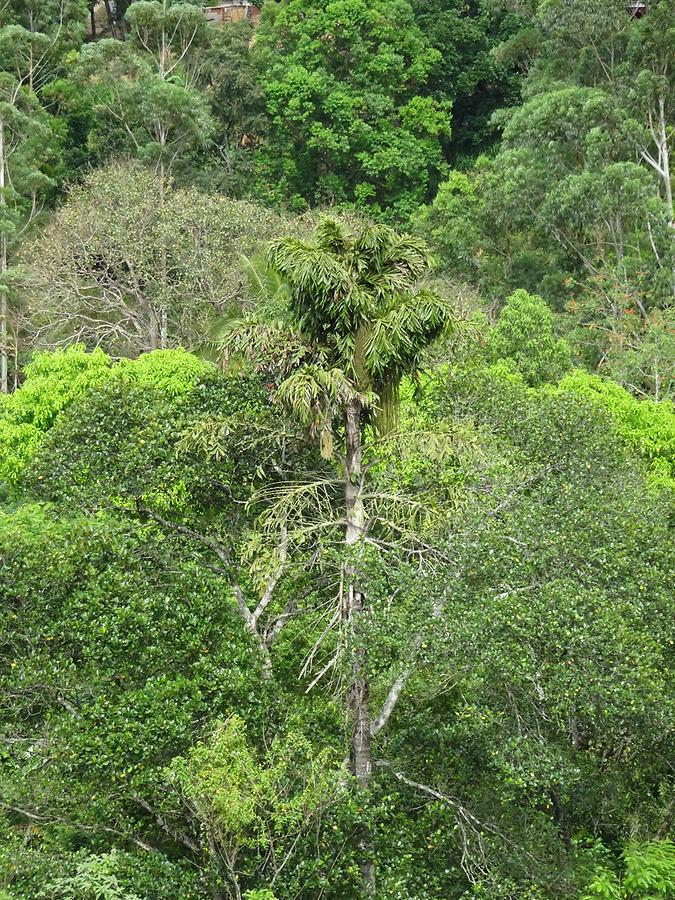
x=660, y=163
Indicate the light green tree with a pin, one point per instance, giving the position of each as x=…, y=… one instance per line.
x=95, y=879
x=524, y=336
x=648, y=874
x=52, y=382
x=245, y=801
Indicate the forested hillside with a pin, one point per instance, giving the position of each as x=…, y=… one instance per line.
x=337, y=450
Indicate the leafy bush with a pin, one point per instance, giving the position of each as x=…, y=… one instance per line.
x=54, y=379
x=646, y=426
x=648, y=874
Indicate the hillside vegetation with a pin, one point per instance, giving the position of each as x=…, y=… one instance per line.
x=337, y=451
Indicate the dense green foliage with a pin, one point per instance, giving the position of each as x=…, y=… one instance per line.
x=540, y=704
x=348, y=122
x=577, y=205
x=336, y=545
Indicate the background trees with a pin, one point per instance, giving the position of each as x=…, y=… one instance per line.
x=575, y=205
x=347, y=122
x=28, y=159
x=122, y=268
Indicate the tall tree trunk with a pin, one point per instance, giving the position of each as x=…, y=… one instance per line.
x=111, y=18
x=664, y=162
x=664, y=159
x=658, y=129
x=162, y=311
x=4, y=312
x=4, y=384
x=16, y=357
x=358, y=694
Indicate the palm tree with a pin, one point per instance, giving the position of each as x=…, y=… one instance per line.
x=346, y=318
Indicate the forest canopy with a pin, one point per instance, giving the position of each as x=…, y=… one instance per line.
x=337, y=450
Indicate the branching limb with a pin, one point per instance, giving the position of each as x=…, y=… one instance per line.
x=173, y=833
x=273, y=580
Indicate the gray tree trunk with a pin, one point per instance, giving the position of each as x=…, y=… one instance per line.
x=4, y=312
x=358, y=693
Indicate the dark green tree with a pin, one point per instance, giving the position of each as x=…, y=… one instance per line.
x=351, y=121
x=29, y=162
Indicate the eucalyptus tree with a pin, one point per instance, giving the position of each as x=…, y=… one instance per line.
x=630, y=58
x=577, y=205
x=29, y=155
x=143, y=104
x=356, y=319
x=166, y=107
x=587, y=159
x=33, y=38
x=143, y=90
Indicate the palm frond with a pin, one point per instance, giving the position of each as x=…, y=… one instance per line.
x=265, y=283
x=355, y=296
x=388, y=260
x=398, y=337
x=306, y=266
x=269, y=345
x=300, y=507
x=315, y=396
x=217, y=438
x=331, y=235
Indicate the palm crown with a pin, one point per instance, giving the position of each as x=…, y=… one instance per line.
x=355, y=317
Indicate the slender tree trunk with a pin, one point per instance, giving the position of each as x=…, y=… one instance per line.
x=153, y=327
x=163, y=312
x=16, y=357
x=164, y=50
x=664, y=158
x=358, y=693
x=660, y=163
x=4, y=384
x=111, y=18
x=657, y=381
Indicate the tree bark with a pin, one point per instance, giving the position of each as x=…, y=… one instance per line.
x=16, y=358
x=163, y=313
x=4, y=312
x=358, y=693
x=664, y=159
x=111, y=18
x=661, y=162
